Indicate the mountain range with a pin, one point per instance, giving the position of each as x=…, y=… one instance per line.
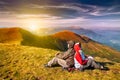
x=104, y=36
x=57, y=41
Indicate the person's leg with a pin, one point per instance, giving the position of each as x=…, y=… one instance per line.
x=95, y=65
x=89, y=63
x=56, y=60
x=92, y=63
x=52, y=62
x=62, y=63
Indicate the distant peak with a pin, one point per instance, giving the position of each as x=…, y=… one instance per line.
x=65, y=31
x=69, y=35
x=75, y=27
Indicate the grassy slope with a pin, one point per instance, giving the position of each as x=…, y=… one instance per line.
x=30, y=39
x=89, y=46
x=57, y=42
x=10, y=35
x=26, y=63
x=24, y=37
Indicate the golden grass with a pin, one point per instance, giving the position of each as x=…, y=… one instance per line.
x=26, y=63
x=10, y=35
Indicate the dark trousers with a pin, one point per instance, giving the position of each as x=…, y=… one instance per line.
x=91, y=63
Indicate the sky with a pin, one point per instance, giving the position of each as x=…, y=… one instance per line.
x=35, y=14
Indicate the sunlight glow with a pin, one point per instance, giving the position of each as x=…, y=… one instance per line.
x=32, y=24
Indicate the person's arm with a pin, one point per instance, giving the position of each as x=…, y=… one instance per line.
x=84, y=62
x=79, y=59
x=59, y=55
x=68, y=53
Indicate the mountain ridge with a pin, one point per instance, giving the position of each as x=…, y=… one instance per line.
x=58, y=40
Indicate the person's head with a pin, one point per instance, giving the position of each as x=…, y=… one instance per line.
x=77, y=46
x=70, y=44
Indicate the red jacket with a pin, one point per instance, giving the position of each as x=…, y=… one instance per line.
x=77, y=56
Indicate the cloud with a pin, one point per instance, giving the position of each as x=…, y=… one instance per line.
x=38, y=16
x=61, y=9
x=82, y=9
x=113, y=10
x=63, y=6
x=62, y=13
x=72, y=6
x=115, y=41
x=3, y=3
x=44, y=20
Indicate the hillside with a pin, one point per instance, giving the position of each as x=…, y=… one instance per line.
x=57, y=41
x=20, y=36
x=89, y=46
x=23, y=55
x=68, y=35
x=10, y=35
x=30, y=39
x=26, y=63
x=107, y=37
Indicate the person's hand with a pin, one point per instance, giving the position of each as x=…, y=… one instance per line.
x=86, y=56
x=91, y=57
x=57, y=54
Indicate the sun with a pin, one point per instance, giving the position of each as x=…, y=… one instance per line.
x=33, y=27
x=32, y=24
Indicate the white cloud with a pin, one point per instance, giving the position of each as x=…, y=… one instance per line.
x=64, y=6
x=86, y=9
x=52, y=21
x=43, y=16
x=115, y=41
x=80, y=8
x=40, y=19
x=10, y=18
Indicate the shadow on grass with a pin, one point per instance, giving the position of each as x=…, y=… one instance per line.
x=89, y=68
x=105, y=63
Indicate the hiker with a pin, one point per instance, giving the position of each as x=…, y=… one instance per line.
x=83, y=62
x=64, y=59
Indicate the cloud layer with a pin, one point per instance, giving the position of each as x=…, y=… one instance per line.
x=60, y=13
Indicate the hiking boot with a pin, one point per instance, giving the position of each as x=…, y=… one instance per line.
x=46, y=65
x=81, y=69
x=101, y=67
x=64, y=68
x=71, y=69
x=104, y=68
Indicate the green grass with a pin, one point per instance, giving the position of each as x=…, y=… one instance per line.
x=24, y=37
x=50, y=42
x=26, y=63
